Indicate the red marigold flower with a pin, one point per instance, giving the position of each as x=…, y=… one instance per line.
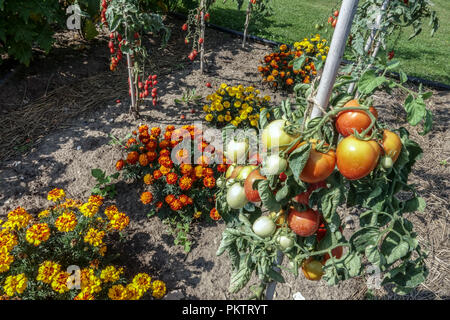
x=185, y=183
x=214, y=214
x=151, y=156
x=209, y=172
x=168, y=135
x=169, y=198
x=164, y=144
x=176, y=205
x=209, y=182
x=143, y=160
x=171, y=178
x=184, y=199
x=146, y=197
x=157, y=174
x=132, y=157
x=120, y=164
x=131, y=141
x=151, y=145
x=156, y=131
x=143, y=128
x=186, y=169
x=222, y=167
x=159, y=204
x=164, y=152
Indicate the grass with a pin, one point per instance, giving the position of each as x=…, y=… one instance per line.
x=423, y=56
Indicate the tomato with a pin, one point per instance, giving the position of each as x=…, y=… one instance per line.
x=235, y=172
x=321, y=232
x=274, y=164
x=312, y=269
x=357, y=158
x=274, y=136
x=387, y=162
x=336, y=252
x=230, y=171
x=336, y=13
x=303, y=223
x=319, y=166
x=236, y=196
x=302, y=198
x=286, y=242
x=264, y=227
x=333, y=24
x=392, y=145
x=252, y=194
x=244, y=172
x=350, y=120
x=236, y=150
x=280, y=218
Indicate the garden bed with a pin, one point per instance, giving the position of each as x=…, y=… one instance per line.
x=73, y=139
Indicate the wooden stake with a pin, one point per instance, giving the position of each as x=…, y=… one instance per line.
x=202, y=35
x=133, y=108
x=334, y=58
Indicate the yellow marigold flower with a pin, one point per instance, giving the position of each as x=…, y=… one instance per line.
x=213, y=108
x=227, y=118
x=17, y=219
x=219, y=107
x=89, y=281
x=56, y=194
x=283, y=47
x=119, y=221
x=205, y=108
x=110, y=211
x=323, y=58
x=164, y=170
x=59, y=282
x=47, y=270
x=254, y=123
x=257, y=91
x=209, y=117
x=133, y=292
x=117, y=292
x=197, y=215
x=234, y=123
x=7, y=240
x=223, y=85
x=66, y=222
x=111, y=274
x=89, y=209
x=15, y=284
x=5, y=259
x=94, y=237
x=249, y=110
x=43, y=214
x=38, y=233
x=96, y=200
x=159, y=289
x=84, y=295
x=102, y=250
x=243, y=116
x=71, y=203
x=142, y=281
x=237, y=104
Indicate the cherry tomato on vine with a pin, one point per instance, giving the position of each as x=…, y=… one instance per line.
x=333, y=24
x=208, y=84
x=336, y=13
x=303, y=223
x=392, y=145
x=253, y=194
x=184, y=27
x=350, y=120
x=357, y=158
x=312, y=269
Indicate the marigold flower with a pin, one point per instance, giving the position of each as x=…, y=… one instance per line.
x=289, y=81
x=94, y=237
x=148, y=179
x=117, y=292
x=169, y=198
x=142, y=281
x=176, y=205
x=157, y=174
x=17, y=219
x=214, y=214
x=184, y=199
x=131, y=141
x=198, y=171
x=111, y=274
x=59, y=282
x=146, y=197
x=5, y=259
x=38, y=233
x=96, y=200
x=159, y=204
x=151, y=145
x=84, y=295
x=119, y=164
x=55, y=195
x=89, y=209
x=143, y=160
x=47, y=270
x=171, y=178
x=110, y=211
x=66, y=222
x=186, y=169
x=7, y=239
x=89, y=281
x=159, y=289
x=15, y=284
x=197, y=215
x=132, y=157
x=164, y=170
x=155, y=131
x=209, y=182
x=185, y=183
x=119, y=221
x=133, y=292
x=151, y=156
x=143, y=128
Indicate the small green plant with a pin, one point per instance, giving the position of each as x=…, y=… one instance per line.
x=104, y=187
x=189, y=97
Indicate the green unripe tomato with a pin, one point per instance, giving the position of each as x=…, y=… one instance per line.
x=264, y=227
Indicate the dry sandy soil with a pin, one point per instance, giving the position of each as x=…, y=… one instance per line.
x=56, y=117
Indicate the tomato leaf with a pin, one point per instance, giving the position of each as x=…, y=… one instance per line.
x=374, y=255
x=276, y=276
x=369, y=82
x=406, y=276
x=364, y=237
x=398, y=252
x=267, y=197
x=297, y=161
x=241, y=276
x=414, y=204
x=227, y=240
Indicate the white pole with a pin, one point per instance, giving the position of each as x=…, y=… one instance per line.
x=202, y=35
x=334, y=58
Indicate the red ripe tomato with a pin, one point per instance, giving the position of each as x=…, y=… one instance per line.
x=321, y=232
x=200, y=41
x=336, y=13
x=330, y=19
x=333, y=24
x=252, y=194
x=303, y=223
x=184, y=27
x=349, y=120
x=336, y=252
x=357, y=158
x=392, y=145
x=319, y=166
x=208, y=84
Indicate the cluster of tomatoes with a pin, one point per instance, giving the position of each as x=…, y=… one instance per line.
x=333, y=19
x=104, y=5
x=143, y=88
x=116, y=54
x=354, y=159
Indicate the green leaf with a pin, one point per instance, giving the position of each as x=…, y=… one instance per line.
x=98, y=174
x=227, y=240
x=298, y=159
x=415, y=109
x=241, y=276
x=403, y=76
x=369, y=82
x=299, y=62
x=374, y=255
x=267, y=197
x=282, y=193
x=398, y=252
x=276, y=276
x=391, y=65
x=414, y=204
x=364, y=237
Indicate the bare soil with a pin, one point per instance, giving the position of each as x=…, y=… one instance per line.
x=72, y=138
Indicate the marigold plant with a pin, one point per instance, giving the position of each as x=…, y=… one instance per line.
x=237, y=105
x=62, y=254
x=287, y=66
x=179, y=170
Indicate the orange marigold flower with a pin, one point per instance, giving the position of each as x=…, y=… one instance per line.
x=209, y=182
x=155, y=131
x=38, y=233
x=171, y=178
x=289, y=81
x=143, y=160
x=159, y=204
x=176, y=205
x=168, y=136
x=131, y=141
x=184, y=199
x=55, y=194
x=146, y=197
x=274, y=72
x=199, y=171
x=170, y=128
x=214, y=214
x=132, y=157
x=186, y=169
x=164, y=152
x=143, y=128
x=270, y=78
x=260, y=69
x=110, y=211
x=151, y=156
x=148, y=178
x=151, y=144
x=222, y=167
x=169, y=198
x=165, y=161
x=164, y=170
x=185, y=183
x=157, y=174
x=120, y=164
x=96, y=199
x=164, y=144
x=209, y=172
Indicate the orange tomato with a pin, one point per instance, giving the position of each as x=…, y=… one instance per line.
x=350, y=120
x=319, y=165
x=392, y=145
x=312, y=269
x=303, y=223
